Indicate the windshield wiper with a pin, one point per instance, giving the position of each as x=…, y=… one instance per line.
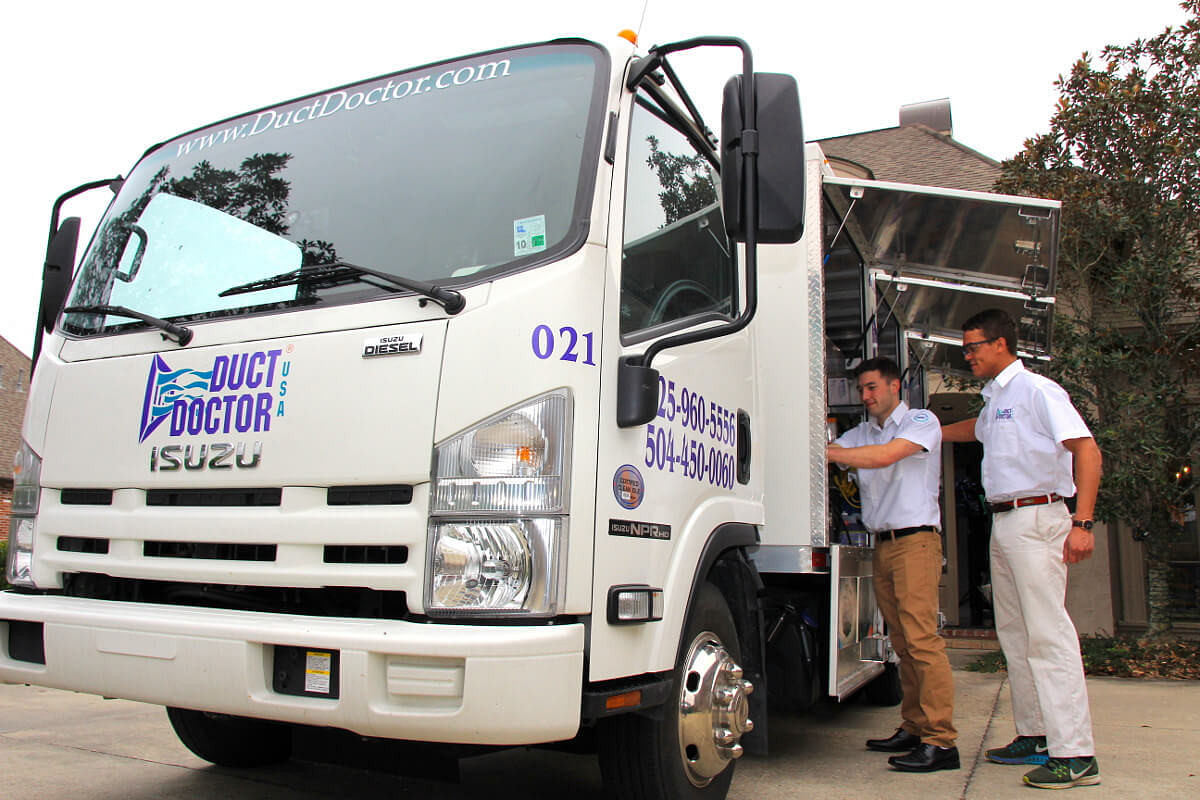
x=340, y=272
x=172, y=331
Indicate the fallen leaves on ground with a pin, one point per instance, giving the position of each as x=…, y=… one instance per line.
x=1120, y=657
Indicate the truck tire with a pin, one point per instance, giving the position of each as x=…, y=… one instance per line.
x=686, y=750
x=232, y=741
x=885, y=689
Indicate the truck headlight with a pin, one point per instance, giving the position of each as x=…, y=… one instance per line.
x=27, y=481
x=513, y=462
x=497, y=528
x=496, y=567
x=27, y=489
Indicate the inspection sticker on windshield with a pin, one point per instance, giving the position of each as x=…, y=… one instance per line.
x=529, y=235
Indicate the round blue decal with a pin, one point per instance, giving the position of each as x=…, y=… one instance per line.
x=628, y=487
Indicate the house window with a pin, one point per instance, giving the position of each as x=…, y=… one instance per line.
x=1184, y=574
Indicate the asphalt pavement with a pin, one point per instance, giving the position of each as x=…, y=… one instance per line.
x=56, y=744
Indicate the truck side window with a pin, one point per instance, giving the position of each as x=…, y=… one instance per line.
x=676, y=262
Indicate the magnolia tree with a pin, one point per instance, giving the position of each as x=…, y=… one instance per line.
x=1123, y=155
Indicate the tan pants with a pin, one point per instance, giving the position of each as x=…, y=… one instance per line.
x=907, y=571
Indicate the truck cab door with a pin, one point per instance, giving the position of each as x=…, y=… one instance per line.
x=664, y=486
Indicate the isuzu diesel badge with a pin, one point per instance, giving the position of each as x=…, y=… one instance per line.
x=392, y=345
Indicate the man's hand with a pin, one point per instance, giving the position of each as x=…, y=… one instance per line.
x=1079, y=545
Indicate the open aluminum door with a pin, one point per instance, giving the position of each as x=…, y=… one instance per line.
x=936, y=256
x=857, y=645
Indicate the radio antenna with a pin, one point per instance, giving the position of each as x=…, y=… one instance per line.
x=641, y=21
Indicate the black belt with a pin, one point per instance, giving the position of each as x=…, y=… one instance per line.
x=898, y=532
x=1021, y=502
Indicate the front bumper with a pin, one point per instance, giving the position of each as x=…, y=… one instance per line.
x=471, y=684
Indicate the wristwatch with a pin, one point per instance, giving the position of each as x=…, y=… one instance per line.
x=1086, y=524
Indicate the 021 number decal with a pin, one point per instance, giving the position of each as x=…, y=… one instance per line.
x=569, y=344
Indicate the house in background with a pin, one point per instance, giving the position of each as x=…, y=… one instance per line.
x=922, y=150
x=14, y=389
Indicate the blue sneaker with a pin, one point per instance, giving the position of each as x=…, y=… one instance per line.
x=1021, y=750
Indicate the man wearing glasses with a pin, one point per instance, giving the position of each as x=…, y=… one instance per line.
x=1037, y=451
x=898, y=454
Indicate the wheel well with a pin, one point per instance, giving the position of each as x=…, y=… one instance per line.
x=726, y=565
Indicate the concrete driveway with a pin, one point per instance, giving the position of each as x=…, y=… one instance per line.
x=57, y=744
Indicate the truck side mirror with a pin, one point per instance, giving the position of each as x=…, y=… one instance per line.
x=781, y=168
x=56, y=274
x=637, y=393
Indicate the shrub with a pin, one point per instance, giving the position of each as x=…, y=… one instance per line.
x=1123, y=657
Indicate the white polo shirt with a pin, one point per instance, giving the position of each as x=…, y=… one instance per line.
x=904, y=495
x=1024, y=421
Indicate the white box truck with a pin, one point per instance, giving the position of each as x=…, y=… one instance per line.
x=483, y=403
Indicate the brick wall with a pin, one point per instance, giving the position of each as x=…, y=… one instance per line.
x=5, y=508
x=14, y=391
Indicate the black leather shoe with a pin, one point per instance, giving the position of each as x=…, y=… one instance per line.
x=898, y=742
x=926, y=758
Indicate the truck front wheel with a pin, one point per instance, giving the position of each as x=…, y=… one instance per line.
x=687, y=749
x=232, y=741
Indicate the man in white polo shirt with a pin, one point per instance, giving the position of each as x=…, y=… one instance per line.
x=898, y=456
x=1037, y=451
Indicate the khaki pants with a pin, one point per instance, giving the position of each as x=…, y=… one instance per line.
x=907, y=571
x=1041, y=646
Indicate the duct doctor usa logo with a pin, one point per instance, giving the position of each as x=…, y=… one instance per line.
x=237, y=394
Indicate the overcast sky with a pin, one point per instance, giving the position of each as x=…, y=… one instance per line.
x=86, y=89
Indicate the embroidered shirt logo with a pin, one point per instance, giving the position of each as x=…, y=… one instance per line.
x=1004, y=413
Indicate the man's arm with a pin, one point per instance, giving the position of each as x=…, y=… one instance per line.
x=873, y=456
x=961, y=431
x=1088, y=467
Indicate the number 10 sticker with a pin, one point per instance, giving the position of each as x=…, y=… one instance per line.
x=529, y=235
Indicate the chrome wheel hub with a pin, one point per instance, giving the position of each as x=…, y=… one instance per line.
x=714, y=710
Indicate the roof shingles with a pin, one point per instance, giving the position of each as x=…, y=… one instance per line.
x=915, y=154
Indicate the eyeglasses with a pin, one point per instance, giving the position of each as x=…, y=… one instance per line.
x=970, y=348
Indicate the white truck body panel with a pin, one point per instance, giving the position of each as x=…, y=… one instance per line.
x=790, y=377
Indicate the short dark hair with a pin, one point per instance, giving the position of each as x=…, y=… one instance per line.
x=886, y=368
x=995, y=323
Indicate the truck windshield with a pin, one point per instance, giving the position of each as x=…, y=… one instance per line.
x=448, y=174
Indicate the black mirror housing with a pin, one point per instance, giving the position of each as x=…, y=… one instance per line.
x=781, y=168
x=56, y=274
x=637, y=393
